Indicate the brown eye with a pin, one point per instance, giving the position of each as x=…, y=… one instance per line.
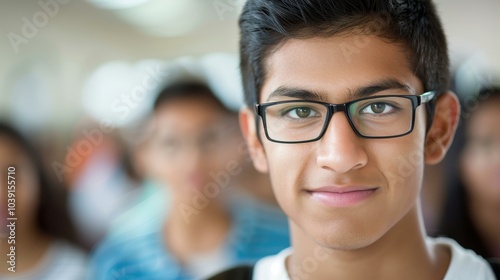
x=378, y=108
x=303, y=112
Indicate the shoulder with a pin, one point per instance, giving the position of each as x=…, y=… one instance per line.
x=70, y=254
x=272, y=267
x=464, y=264
x=132, y=257
x=70, y=259
x=115, y=247
x=259, y=216
x=258, y=230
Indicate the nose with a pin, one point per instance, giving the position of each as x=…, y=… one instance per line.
x=340, y=149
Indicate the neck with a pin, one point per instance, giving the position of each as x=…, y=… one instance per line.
x=485, y=218
x=401, y=252
x=189, y=215
x=184, y=225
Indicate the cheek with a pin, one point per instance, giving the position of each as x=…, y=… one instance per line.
x=472, y=170
x=288, y=169
x=158, y=167
x=155, y=164
x=401, y=166
x=401, y=163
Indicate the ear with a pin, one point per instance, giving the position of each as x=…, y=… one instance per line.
x=257, y=152
x=441, y=133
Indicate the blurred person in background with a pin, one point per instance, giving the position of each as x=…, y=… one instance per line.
x=102, y=181
x=192, y=149
x=472, y=208
x=45, y=242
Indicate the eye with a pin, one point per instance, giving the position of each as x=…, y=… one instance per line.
x=301, y=113
x=377, y=108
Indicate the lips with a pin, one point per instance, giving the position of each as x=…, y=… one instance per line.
x=341, y=196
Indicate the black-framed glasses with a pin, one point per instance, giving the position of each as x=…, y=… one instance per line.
x=301, y=121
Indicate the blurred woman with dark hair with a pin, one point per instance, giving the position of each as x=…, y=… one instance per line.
x=472, y=208
x=43, y=231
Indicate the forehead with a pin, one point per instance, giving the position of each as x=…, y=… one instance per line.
x=484, y=120
x=337, y=65
x=189, y=108
x=188, y=115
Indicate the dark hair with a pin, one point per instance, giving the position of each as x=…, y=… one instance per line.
x=181, y=90
x=52, y=215
x=456, y=221
x=266, y=24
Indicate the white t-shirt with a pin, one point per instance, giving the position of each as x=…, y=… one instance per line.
x=464, y=264
x=202, y=265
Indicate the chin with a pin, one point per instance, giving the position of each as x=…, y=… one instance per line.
x=346, y=244
x=346, y=240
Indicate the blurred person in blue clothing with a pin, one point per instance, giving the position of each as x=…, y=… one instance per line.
x=192, y=146
x=42, y=243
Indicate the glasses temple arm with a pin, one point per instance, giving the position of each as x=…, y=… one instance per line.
x=426, y=97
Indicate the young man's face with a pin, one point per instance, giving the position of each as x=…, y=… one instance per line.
x=190, y=138
x=368, y=185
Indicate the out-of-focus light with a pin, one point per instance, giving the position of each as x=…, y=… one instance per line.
x=163, y=18
x=31, y=88
x=472, y=75
x=120, y=93
x=221, y=71
x=117, y=4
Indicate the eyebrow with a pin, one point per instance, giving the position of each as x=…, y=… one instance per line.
x=364, y=91
x=293, y=92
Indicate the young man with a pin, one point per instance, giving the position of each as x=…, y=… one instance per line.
x=346, y=103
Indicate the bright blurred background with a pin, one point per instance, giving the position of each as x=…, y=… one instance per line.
x=48, y=54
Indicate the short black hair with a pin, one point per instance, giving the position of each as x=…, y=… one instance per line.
x=266, y=24
x=470, y=102
x=189, y=89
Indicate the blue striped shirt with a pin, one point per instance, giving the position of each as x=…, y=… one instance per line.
x=258, y=230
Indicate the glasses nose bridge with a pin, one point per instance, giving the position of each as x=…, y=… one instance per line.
x=334, y=108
